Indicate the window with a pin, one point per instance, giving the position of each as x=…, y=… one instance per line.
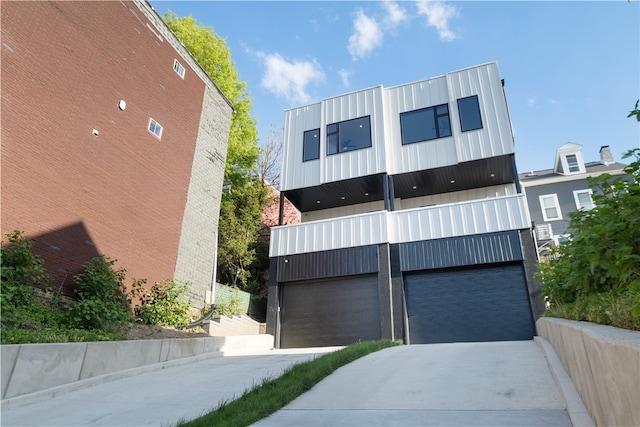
x=583, y=199
x=550, y=207
x=349, y=135
x=572, y=162
x=178, y=68
x=469, y=111
x=155, y=128
x=425, y=124
x=311, y=145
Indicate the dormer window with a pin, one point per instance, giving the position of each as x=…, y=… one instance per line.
x=572, y=162
x=569, y=159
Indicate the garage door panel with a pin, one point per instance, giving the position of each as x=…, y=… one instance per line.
x=328, y=313
x=481, y=304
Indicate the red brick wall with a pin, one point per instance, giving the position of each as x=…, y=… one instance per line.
x=65, y=67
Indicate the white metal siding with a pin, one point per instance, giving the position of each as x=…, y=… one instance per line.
x=343, y=211
x=422, y=155
x=457, y=196
x=449, y=220
x=495, y=137
x=362, y=162
x=296, y=173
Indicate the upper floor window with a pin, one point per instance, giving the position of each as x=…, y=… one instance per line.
x=425, y=124
x=572, y=163
x=349, y=135
x=155, y=128
x=311, y=145
x=583, y=199
x=550, y=207
x=178, y=68
x=469, y=111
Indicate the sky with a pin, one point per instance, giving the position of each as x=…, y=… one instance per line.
x=571, y=68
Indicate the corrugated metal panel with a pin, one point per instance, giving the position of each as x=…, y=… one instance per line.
x=367, y=161
x=341, y=262
x=316, y=236
x=460, y=251
x=459, y=219
x=296, y=173
x=457, y=196
x=423, y=155
x=495, y=138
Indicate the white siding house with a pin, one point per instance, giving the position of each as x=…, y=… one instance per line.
x=385, y=179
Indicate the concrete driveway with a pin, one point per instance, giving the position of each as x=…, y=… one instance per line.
x=462, y=384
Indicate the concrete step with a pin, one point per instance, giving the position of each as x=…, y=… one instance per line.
x=232, y=326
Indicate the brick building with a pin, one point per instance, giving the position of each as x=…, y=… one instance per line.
x=113, y=142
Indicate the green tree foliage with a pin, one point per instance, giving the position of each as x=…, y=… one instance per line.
x=602, y=257
x=240, y=213
x=213, y=55
x=635, y=112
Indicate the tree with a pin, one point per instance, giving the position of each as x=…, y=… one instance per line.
x=268, y=166
x=635, y=112
x=240, y=213
x=213, y=55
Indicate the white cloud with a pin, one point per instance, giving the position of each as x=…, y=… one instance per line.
x=531, y=102
x=438, y=15
x=395, y=15
x=290, y=80
x=344, y=76
x=366, y=37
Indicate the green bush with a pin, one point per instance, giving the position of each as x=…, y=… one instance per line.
x=229, y=308
x=600, y=263
x=103, y=301
x=164, y=304
x=22, y=278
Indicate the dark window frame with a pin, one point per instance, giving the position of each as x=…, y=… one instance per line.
x=333, y=136
x=464, y=128
x=439, y=133
x=311, y=148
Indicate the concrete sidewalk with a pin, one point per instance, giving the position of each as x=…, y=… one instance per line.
x=462, y=384
x=162, y=397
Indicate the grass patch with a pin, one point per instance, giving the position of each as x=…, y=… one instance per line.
x=55, y=335
x=605, y=308
x=270, y=396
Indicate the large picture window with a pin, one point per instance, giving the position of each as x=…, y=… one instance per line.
x=425, y=124
x=469, y=110
x=311, y=145
x=349, y=135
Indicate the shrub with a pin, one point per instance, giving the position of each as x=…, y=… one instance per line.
x=601, y=260
x=22, y=272
x=164, y=304
x=229, y=308
x=103, y=302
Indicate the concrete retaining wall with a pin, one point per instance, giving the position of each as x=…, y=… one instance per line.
x=603, y=363
x=30, y=368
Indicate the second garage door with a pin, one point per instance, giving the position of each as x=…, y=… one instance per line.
x=332, y=312
x=469, y=305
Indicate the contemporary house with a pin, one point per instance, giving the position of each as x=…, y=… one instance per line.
x=552, y=194
x=114, y=142
x=414, y=225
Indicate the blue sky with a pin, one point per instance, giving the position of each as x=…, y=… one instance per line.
x=571, y=69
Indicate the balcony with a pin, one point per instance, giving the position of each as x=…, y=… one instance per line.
x=433, y=222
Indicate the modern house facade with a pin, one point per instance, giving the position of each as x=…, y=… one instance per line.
x=114, y=142
x=414, y=225
x=552, y=194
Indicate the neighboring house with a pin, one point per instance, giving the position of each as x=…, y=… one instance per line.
x=113, y=142
x=413, y=223
x=552, y=194
x=271, y=212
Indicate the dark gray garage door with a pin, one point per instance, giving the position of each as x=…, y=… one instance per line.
x=469, y=305
x=331, y=312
